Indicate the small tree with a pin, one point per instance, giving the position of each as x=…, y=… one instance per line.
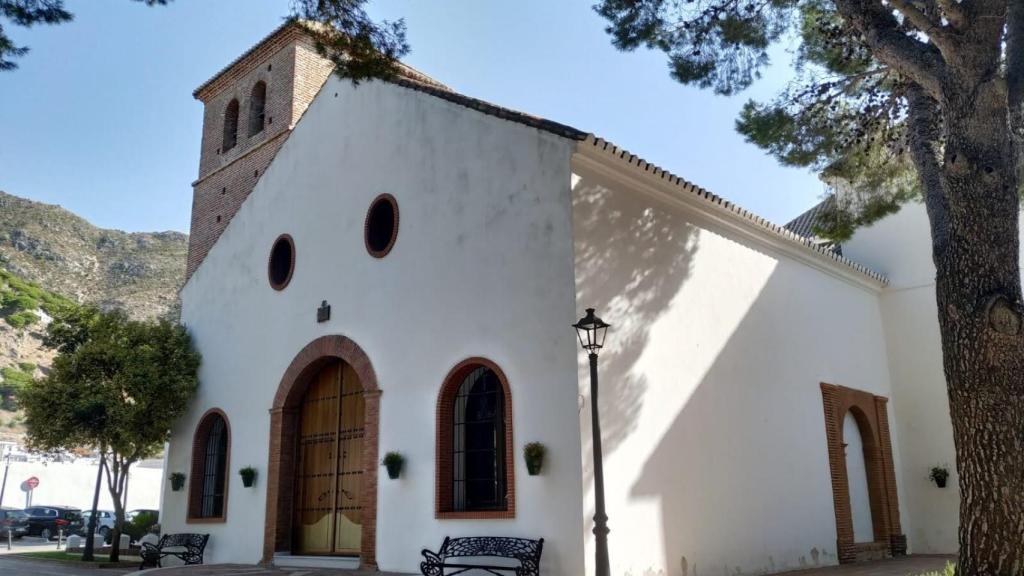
x=117, y=384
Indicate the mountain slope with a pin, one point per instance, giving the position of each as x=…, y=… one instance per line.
x=50, y=258
x=65, y=254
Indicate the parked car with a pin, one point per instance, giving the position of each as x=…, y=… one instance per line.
x=131, y=514
x=48, y=521
x=14, y=521
x=104, y=522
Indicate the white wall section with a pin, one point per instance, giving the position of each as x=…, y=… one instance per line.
x=715, y=451
x=484, y=242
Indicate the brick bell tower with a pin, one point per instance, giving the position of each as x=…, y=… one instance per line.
x=250, y=108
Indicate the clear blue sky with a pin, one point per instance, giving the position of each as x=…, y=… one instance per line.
x=100, y=118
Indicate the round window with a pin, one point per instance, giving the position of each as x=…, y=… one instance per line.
x=381, y=228
x=282, y=262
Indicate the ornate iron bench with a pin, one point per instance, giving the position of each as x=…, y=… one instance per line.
x=188, y=547
x=458, y=555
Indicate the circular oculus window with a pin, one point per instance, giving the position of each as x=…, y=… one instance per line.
x=282, y=262
x=381, y=227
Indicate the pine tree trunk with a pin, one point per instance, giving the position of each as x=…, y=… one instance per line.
x=978, y=292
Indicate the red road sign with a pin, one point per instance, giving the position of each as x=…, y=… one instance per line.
x=32, y=482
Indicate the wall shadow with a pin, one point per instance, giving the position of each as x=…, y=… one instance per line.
x=741, y=474
x=631, y=261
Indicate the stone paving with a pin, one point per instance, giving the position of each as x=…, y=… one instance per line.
x=14, y=566
x=249, y=570
x=908, y=566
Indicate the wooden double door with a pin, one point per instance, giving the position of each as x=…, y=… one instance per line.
x=328, y=507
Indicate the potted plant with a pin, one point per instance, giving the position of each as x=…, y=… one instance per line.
x=534, y=453
x=393, y=461
x=177, y=481
x=248, y=475
x=939, y=475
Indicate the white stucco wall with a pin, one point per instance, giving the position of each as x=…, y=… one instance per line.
x=72, y=484
x=899, y=246
x=482, y=266
x=714, y=436
x=857, y=476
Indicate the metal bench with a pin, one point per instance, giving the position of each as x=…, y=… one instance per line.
x=187, y=547
x=458, y=555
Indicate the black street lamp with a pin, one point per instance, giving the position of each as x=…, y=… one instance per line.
x=591, y=331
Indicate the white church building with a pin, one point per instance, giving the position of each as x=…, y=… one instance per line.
x=396, y=267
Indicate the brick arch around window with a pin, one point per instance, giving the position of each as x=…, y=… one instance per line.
x=871, y=414
x=444, y=484
x=199, y=469
x=284, y=421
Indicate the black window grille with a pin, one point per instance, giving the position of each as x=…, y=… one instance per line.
x=479, y=443
x=214, y=470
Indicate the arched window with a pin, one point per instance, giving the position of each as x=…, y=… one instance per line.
x=230, y=126
x=257, y=103
x=475, y=477
x=208, y=482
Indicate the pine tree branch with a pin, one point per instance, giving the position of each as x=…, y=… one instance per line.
x=952, y=11
x=918, y=61
x=923, y=138
x=932, y=27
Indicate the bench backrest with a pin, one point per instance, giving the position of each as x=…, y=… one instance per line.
x=522, y=549
x=192, y=542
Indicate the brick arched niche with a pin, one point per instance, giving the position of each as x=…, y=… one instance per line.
x=284, y=421
x=871, y=415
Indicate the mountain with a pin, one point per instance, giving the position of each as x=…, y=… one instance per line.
x=63, y=253
x=50, y=258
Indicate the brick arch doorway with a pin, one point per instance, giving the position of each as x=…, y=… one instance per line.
x=285, y=419
x=871, y=415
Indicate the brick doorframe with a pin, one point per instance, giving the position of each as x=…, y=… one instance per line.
x=872, y=418
x=284, y=419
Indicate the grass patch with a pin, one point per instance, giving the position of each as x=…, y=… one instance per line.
x=62, y=556
x=949, y=570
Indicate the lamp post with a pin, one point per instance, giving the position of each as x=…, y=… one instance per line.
x=591, y=331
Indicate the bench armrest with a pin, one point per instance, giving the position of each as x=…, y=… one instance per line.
x=432, y=556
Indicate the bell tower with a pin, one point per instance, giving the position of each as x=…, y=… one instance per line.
x=250, y=108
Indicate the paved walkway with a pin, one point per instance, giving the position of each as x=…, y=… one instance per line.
x=14, y=566
x=908, y=566
x=249, y=570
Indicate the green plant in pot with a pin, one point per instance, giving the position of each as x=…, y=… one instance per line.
x=393, y=461
x=534, y=453
x=939, y=475
x=248, y=475
x=177, y=481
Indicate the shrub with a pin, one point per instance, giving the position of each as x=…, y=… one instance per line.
x=13, y=381
x=21, y=319
x=24, y=301
x=140, y=525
